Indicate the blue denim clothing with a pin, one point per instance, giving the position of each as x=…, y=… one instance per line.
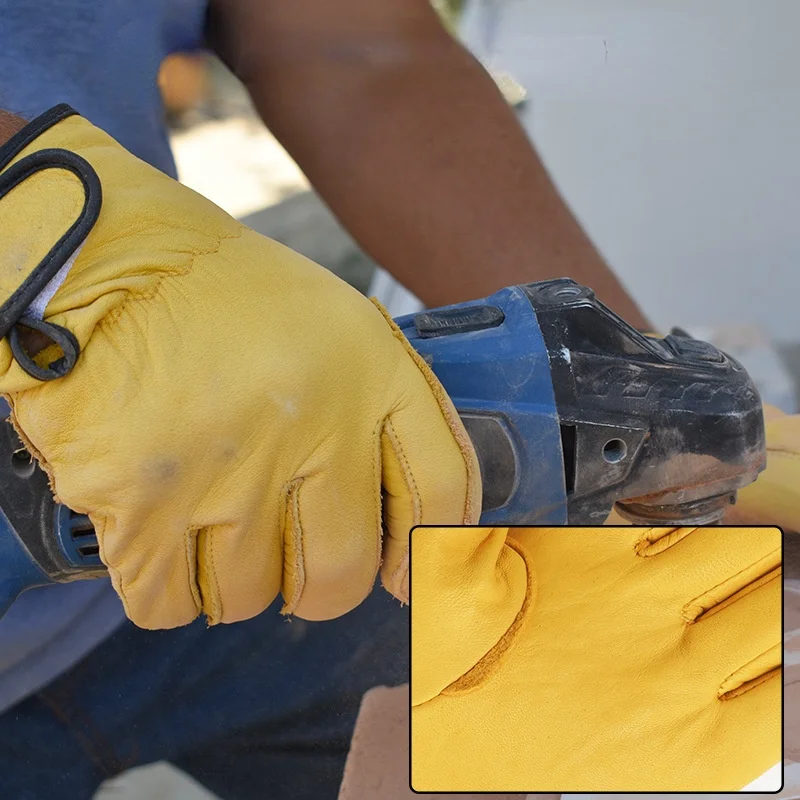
x=103, y=59
x=260, y=709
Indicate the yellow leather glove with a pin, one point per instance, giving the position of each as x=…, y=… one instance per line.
x=239, y=422
x=594, y=659
x=774, y=498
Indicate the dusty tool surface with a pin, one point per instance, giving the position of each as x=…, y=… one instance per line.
x=572, y=411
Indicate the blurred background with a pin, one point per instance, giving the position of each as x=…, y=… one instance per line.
x=670, y=128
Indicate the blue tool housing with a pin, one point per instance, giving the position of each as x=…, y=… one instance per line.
x=492, y=359
x=18, y=569
x=41, y=542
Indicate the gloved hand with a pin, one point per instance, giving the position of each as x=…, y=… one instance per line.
x=239, y=422
x=774, y=498
x=594, y=659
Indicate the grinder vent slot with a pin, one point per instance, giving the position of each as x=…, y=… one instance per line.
x=82, y=532
x=80, y=525
x=78, y=539
x=569, y=441
x=83, y=535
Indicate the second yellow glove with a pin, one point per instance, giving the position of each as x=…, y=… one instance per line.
x=774, y=499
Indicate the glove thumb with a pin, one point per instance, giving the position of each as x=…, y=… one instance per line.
x=469, y=587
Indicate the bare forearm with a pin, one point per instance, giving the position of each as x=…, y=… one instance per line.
x=9, y=125
x=414, y=149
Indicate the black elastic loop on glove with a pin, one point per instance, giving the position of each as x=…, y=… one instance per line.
x=59, y=336
x=14, y=309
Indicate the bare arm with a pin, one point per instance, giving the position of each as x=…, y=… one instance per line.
x=410, y=143
x=9, y=125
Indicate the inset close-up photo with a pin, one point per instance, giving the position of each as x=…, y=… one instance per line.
x=586, y=659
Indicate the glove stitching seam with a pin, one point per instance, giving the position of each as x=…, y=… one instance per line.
x=491, y=662
x=114, y=573
x=131, y=297
x=292, y=494
x=646, y=547
x=405, y=468
x=401, y=572
x=377, y=489
x=215, y=600
x=190, y=552
x=696, y=609
x=471, y=505
x=787, y=453
x=750, y=685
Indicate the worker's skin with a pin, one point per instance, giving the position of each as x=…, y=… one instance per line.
x=9, y=125
x=410, y=143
